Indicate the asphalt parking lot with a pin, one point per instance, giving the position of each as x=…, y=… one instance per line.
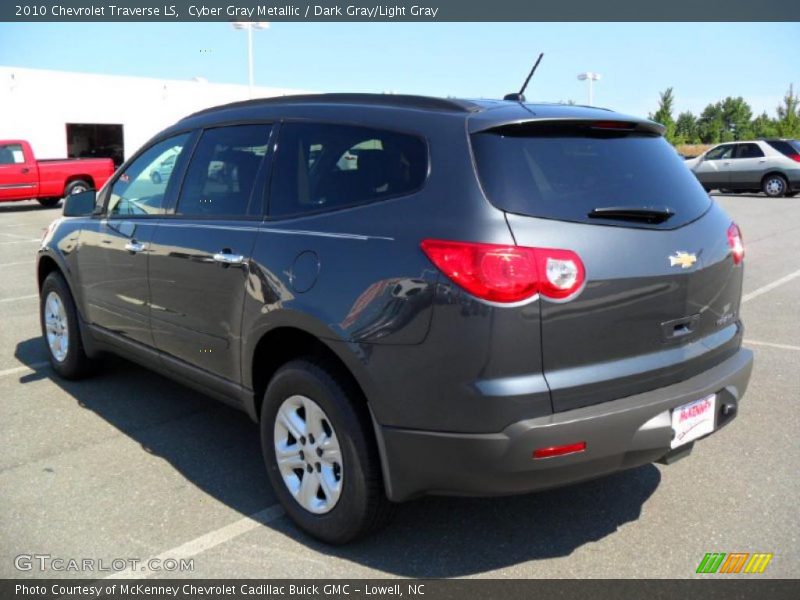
x=131, y=465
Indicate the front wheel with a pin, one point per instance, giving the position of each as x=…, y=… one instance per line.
x=774, y=186
x=59, y=321
x=320, y=453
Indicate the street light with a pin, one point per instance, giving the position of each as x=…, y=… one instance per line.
x=591, y=78
x=249, y=26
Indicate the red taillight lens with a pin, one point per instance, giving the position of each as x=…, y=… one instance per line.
x=795, y=157
x=735, y=243
x=559, y=450
x=507, y=273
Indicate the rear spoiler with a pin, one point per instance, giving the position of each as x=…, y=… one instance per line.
x=608, y=123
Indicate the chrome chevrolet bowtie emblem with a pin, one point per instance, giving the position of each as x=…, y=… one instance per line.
x=684, y=259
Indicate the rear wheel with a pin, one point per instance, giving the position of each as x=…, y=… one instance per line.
x=320, y=453
x=59, y=321
x=49, y=202
x=76, y=187
x=774, y=186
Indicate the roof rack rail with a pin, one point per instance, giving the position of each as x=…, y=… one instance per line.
x=396, y=100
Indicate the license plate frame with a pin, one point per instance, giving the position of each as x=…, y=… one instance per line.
x=693, y=420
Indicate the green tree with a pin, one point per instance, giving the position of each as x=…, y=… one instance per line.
x=788, y=124
x=736, y=116
x=664, y=113
x=764, y=127
x=710, y=125
x=686, y=129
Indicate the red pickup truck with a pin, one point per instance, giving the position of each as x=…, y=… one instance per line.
x=22, y=177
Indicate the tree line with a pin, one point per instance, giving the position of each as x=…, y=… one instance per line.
x=728, y=120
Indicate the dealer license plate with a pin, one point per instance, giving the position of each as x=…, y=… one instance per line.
x=693, y=420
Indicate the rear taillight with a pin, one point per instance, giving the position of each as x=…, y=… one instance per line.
x=795, y=157
x=508, y=273
x=735, y=243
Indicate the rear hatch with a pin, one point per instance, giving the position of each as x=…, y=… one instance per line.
x=663, y=285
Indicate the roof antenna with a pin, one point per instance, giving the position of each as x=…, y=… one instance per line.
x=520, y=97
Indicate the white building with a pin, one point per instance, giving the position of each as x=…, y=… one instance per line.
x=81, y=114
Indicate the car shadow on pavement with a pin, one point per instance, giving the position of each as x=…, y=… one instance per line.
x=15, y=207
x=216, y=448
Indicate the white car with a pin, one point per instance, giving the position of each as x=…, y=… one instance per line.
x=770, y=166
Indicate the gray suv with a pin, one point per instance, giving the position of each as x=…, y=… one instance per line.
x=769, y=166
x=413, y=295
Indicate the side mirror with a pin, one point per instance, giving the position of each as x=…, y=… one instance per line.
x=80, y=204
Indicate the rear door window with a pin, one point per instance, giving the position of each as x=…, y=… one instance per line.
x=748, y=151
x=327, y=166
x=566, y=172
x=221, y=177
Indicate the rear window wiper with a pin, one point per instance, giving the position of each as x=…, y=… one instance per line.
x=630, y=213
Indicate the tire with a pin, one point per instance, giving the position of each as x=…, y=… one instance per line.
x=48, y=202
x=360, y=505
x=774, y=185
x=76, y=187
x=59, y=319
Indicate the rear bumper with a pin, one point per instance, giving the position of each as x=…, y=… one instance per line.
x=619, y=434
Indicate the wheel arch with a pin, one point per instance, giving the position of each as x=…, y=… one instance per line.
x=774, y=172
x=283, y=343
x=84, y=177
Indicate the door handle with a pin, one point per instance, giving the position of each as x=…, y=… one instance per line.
x=134, y=246
x=727, y=162
x=24, y=170
x=762, y=160
x=228, y=258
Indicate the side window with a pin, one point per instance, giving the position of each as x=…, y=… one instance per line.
x=324, y=166
x=749, y=151
x=141, y=189
x=11, y=154
x=222, y=172
x=720, y=152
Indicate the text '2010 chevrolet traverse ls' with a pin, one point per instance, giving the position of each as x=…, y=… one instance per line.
x=413, y=295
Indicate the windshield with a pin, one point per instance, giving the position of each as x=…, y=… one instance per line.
x=566, y=173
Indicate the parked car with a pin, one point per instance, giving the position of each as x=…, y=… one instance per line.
x=23, y=177
x=769, y=166
x=498, y=298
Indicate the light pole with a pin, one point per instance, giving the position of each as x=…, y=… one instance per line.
x=591, y=78
x=249, y=26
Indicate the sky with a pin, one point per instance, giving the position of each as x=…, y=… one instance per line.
x=703, y=62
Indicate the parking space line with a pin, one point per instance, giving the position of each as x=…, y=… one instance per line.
x=19, y=298
x=15, y=235
x=771, y=345
x=31, y=367
x=22, y=262
x=28, y=241
x=209, y=540
x=770, y=286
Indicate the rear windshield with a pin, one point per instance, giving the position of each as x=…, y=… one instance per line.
x=566, y=172
x=786, y=147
